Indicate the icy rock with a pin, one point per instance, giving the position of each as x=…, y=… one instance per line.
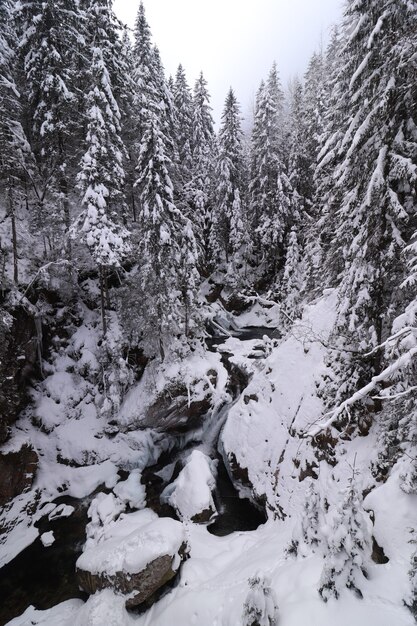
x=191, y=493
x=137, y=554
x=131, y=491
x=47, y=539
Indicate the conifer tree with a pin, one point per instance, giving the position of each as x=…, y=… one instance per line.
x=300, y=164
x=370, y=195
x=228, y=230
x=14, y=149
x=101, y=178
x=201, y=186
x=167, y=276
x=348, y=549
x=271, y=194
x=291, y=282
x=49, y=44
x=261, y=607
x=183, y=103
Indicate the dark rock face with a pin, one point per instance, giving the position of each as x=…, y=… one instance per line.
x=18, y=357
x=171, y=412
x=17, y=473
x=140, y=587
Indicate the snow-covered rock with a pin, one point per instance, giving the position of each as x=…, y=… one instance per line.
x=135, y=555
x=191, y=493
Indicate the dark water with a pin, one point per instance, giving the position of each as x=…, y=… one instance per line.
x=235, y=514
x=43, y=576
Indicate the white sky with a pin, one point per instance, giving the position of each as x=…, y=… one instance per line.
x=235, y=42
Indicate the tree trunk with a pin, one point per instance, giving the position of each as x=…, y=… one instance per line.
x=102, y=299
x=14, y=236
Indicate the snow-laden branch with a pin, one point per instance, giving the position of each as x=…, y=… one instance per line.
x=362, y=393
x=42, y=269
x=399, y=335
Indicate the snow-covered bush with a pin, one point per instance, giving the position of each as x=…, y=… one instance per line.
x=306, y=535
x=348, y=550
x=261, y=607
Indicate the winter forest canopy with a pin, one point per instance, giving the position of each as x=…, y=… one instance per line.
x=208, y=340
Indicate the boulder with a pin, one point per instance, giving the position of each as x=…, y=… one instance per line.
x=17, y=472
x=172, y=411
x=136, y=556
x=190, y=494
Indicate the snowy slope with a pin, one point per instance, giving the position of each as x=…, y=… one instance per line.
x=265, y=436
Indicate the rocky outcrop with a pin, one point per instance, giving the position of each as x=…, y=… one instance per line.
x=17, y=473
x=135, y=555
x=18, y=357
x=172, y=411
x=138, y=587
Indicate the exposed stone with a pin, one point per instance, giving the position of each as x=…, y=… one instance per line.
x=17, y=473
x=18, y=357
x=378, y=555
x=135, y=555
x=172, y=411
x=140, y=587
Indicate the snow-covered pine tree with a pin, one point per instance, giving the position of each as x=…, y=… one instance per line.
x=369, y=167
x=183, y=103
x=101, y=178
x=127, y=114
x=291, y=283
x=349, y=546
x=201, y=187
x=14, y=148
x=314, y=111
x=167, y=279
x=151, y=90
x=228, y=233
x=271, y=195
x=50, y=40
x=306, y=536
x=319, y=231
x=261, y=606
x=300, y=163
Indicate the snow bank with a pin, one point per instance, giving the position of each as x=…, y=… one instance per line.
x=281, y=399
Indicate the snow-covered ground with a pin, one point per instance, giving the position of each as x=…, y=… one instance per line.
x=264, y=433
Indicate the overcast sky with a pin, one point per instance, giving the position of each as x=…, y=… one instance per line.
x=235, y=42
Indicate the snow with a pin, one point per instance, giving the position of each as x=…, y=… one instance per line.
x=191, y=493
x=47, y=539
x=131, y=542
x=263, y=430
x=282, y=399
x=62, y=510
x=131, y=491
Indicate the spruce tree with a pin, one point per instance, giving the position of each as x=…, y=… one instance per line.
x=183, y=104
x=261, y=606
x=101, y=178
x=271, y=194
x=50, y=44
x=291, y=283
x=228, y=216
x=348, y=548
x=167, y=277
x=371, y=194
x=14, y=149
x=201, y=185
